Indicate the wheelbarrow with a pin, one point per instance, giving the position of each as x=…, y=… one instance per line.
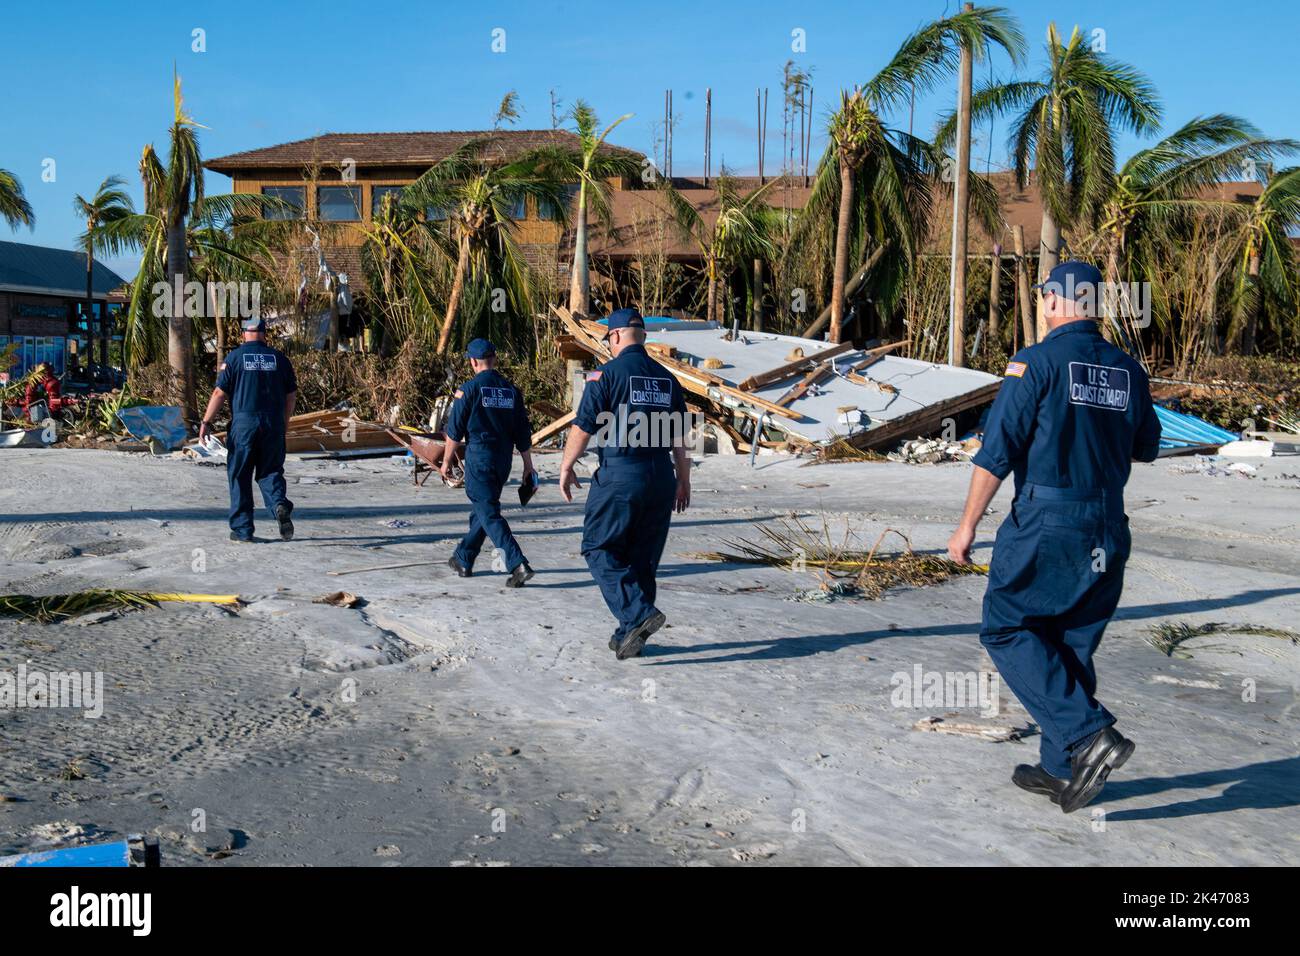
x=428, y=449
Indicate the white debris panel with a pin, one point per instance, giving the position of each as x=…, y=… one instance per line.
x=893, y=391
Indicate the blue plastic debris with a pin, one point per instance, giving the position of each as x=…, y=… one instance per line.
x=163, y=423
x=133, y=851
x=1179, y=430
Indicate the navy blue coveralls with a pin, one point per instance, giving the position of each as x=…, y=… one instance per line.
x=631, y=496
x=258, y=379
x=489, y=416
x=1073, y=413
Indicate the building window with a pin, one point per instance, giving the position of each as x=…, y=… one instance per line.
x=290, y=195
x=377, y=195
x=546, y=210
x=519, y=210
x=339, y=203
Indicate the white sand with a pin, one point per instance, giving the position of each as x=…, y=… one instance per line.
x=493, y=726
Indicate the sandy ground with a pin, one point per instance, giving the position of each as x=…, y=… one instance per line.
x=456, y=722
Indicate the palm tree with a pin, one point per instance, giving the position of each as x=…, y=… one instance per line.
x=1267, y=268
x=590, y=166
x=109, y=204
x=399, y=254
x=14, y=207
x=1160, y=188
x=170, y=191
x=880, y=178
x=1064, y=130
x=480, y=190
x=741, y=232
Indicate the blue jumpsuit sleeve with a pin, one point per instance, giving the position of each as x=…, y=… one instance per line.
x=523, y=427
x=593, y=403
x=1146, y=440
x=226, y=377
x=458, y=417
x=1010, y=428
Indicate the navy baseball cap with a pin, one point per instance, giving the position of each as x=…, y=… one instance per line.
x=481, y=349
x=624, y=319
x=253, y=325
x=1072, y=280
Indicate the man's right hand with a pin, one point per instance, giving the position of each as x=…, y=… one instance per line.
x=568, y=481
x=203, y=432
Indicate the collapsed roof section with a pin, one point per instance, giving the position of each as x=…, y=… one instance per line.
x=814, y=394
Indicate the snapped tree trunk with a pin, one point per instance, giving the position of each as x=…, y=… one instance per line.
x=179, y=340
x=453, y=301
x=711, y=305
x=758, y=295
x=580, y=286
x=1049, y=254
x=841, y=252
x=217, y=321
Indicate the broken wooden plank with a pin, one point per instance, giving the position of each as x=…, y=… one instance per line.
x=561, y=423
x=772, y=376
x=812, y=378
x=923, y=419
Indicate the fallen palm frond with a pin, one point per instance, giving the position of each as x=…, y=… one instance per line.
x=47, y=608
x=839, y=450
x=795, y=545
x=1167, y=637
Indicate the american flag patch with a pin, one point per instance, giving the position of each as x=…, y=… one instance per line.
x=1016, y=368
x=594, y=376
x=459, y=393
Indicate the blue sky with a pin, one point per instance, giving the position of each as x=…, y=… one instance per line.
x=93, y=79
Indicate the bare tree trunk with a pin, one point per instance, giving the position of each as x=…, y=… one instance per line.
x=758, y=295
x=1252, y=317
x=995, y=297
x=961, y=209
x=1022, y=287
x=841, y=252
x=90, y=304
x=453, y=301
x=217, y=320
x=580, y=286
x=1049, y=254
x=711, y=306
x=179, y=341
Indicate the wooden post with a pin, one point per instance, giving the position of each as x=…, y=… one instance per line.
x=995, y=298
x=1028, y=320
x=961, y=213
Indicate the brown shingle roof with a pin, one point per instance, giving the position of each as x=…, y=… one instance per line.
x=391, y=149
x=642, y=220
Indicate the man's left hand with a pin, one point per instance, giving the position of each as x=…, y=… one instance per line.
x=959, y=544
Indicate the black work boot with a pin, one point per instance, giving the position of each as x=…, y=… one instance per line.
x=614, y=639
x=461, y=571
x=282, y=512
x=241, y=538
x=1037, y=780
x=1091, y=764
x=634, y=641
x=519, y=575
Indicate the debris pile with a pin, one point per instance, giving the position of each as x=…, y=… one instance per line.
x=930, y=451
x=793, y=544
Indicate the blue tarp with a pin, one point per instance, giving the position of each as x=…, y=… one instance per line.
x=100, y=854
x=1178, y=430
x=163, y=422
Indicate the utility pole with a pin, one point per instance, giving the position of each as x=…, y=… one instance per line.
x=960, y=213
